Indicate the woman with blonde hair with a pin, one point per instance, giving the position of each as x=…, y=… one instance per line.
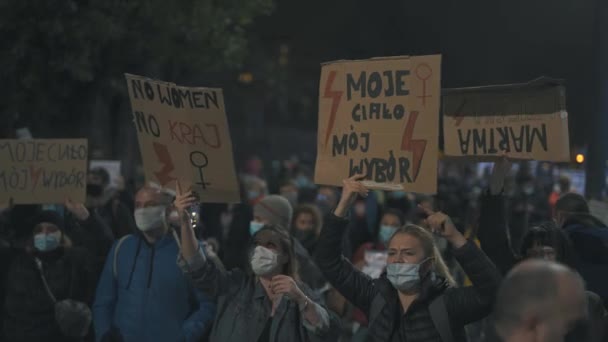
x=415, y=299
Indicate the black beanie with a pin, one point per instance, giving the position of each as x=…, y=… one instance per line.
x=49, y=216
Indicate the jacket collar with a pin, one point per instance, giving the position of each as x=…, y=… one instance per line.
x=258, y=290
x=164, y=241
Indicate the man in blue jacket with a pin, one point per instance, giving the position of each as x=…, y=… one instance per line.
x=142, y=294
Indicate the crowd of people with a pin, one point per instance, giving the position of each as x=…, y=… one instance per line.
x=492, y=257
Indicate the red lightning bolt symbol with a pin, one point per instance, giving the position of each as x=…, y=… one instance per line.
x=459, y=116
x=417, y=147
x=164, y=158
x=336, y=96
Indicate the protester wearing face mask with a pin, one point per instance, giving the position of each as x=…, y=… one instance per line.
x=142, y=295
x=255, y=188
x=391, y=221
x=265, y=303
x=545, y=241
x=306, y=226
x=276, y=210
x=414, y=300
x=327, y=199
x=539, y=301
x=370, y=258
x=68, y=271
x=105, y=201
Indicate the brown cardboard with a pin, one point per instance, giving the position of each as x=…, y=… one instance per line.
x=527, y=120
x=400, y=143
x=183, y=135
x=43, y=171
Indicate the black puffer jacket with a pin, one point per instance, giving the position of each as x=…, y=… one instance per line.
x=29, y=310
x=379, y=299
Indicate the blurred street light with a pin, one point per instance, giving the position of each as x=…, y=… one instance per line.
x=246, y=77
x=580, y=158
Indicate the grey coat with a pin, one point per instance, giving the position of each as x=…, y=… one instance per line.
x=243, y=307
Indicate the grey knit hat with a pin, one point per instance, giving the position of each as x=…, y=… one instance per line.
x=274, y=209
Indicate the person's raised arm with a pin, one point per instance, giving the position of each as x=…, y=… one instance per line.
x=206, y=276
x=355, y=286
x=190, y=245
x=91, y=231
x=493, y=229
x=467, y=304
x=351, y=188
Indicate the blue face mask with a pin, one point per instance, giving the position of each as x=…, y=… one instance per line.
x=303, y=182
x=404, y=276
x=253, y=194
x=47, y=242
x=385, y=233
x=254, y=227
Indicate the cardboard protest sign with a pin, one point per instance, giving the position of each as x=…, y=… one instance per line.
x=43, y=171
x=380, y=117
x=183, y=135
x=528, y=120
x=113, y=168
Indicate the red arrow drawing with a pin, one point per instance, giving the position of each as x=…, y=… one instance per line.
x=164, y=158
x=417, y=147
x=336, y=96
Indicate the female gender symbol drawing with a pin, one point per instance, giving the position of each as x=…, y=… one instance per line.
x=200, y=161
x=423, y=72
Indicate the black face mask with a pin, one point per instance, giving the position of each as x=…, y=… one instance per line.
x=306, y=237
x=94, y=190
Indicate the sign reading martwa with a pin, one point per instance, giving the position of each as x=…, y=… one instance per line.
x=529, y=121
x=183, y=135
x=43, y=171
x=380, y=117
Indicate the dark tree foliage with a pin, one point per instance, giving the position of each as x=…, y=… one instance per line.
x=60, y=61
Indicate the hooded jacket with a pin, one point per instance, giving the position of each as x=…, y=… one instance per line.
x=149, y=299
x=495, y=242
x=589, y=238
x=30, y=312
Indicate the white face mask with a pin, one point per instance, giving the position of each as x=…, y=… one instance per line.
x=404, y=276
x=149, y=218
x=264, y=261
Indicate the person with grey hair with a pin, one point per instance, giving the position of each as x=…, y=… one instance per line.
x=142, y=294
x=539, y=301
x=276, y=210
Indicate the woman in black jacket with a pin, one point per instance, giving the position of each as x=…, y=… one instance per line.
x=69, y=272
x=414, y=300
